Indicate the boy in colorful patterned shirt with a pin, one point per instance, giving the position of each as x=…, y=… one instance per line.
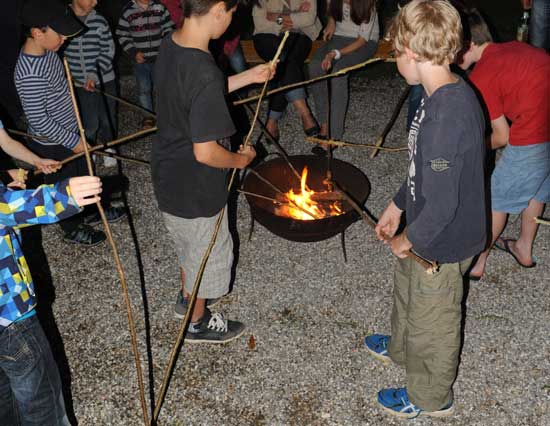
x=30, y=387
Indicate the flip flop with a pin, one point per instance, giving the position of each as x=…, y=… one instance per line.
x=505, y=247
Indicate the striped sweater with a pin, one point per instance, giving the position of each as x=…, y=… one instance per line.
x=91, y=53
x=142, y=30
x=46, y=204
x=44, y=93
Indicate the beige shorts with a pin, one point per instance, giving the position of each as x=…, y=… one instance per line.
x=191, y=239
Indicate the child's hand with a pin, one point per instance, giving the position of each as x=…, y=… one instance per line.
x=79, y=147
x=85, y=189
x=327, y=62
x=328, y=32
x=262, y=72
x=19, y=177
x=90, y=85
x=400, y=245
x=304, y=7
x=249, y=152
x=140, y=58
x=47, y=166
x=388, y=222
x=287, y=24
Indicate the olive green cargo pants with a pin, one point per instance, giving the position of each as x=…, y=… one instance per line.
x=425, y=329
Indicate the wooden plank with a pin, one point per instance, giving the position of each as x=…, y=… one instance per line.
x=384, y=51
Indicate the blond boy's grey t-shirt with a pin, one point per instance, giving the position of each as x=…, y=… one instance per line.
x=191, y=108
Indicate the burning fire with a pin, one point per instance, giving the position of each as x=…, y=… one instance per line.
x=303, y=206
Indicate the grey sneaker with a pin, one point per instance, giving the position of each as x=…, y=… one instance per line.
x=85, y=235
x=180, y=307
x=213, y=328
x=113, y=215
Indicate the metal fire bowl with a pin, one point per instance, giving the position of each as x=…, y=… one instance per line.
x=278, y=172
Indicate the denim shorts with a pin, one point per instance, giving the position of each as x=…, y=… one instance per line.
x=521, y=174
x=191, y=239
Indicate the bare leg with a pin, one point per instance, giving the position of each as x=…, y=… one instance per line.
x=272, y=127
x=523, y=247
x=499, y=222
x=307, y=118
x=198, y=309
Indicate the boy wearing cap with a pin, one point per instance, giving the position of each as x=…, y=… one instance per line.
x=44, y=93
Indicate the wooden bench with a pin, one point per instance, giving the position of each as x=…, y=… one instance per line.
x=384, y=51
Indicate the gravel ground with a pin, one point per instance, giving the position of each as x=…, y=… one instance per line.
x=307, y=310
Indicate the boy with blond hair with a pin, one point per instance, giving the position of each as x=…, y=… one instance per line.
x=444, y=200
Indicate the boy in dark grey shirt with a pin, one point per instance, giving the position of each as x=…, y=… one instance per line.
x=444, y=200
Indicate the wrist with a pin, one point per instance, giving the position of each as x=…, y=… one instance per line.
x=337, y=54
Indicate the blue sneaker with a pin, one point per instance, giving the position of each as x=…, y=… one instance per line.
x=377, y=345
x=396, y=402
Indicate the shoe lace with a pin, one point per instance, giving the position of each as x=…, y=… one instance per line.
x=217, y=323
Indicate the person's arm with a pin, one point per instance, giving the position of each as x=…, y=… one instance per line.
x=331, y=56
x=47, y=203
x=214, y=155
x=501, y=132
x=167, y=25
x=17, y=150
x=33, y=95
x=258, y=74
x=441, y=170
x=328, y=32
x=107, y=48
x=307, y=18
x=125, y=38
x=261, y=22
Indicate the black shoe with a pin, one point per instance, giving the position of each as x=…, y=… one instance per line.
x=213, y=328
x=312, y=131
x=113, y=215
x=85, y=235
x=319, y=150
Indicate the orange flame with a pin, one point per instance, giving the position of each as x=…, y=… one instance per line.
x=308, y=209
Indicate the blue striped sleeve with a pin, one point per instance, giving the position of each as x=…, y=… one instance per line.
x=125, y=38
x=107, y=48
x=33, y=93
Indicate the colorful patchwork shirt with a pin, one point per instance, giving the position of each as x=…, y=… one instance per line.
x=44, y=205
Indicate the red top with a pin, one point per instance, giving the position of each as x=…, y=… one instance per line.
x=514, y=80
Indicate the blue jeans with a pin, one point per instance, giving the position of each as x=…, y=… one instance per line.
x=539, y=28
x=144, y=82
x=98, y=113
x=30, y=387
x=237, y=62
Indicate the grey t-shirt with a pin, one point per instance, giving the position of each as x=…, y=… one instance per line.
x=191, y=108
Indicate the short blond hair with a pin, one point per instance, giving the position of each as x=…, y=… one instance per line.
x=429, y=28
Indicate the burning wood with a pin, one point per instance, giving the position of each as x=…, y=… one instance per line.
x=320, y=204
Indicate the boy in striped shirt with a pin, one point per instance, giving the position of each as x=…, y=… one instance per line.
x=141, y=28
x=42, y=87
x=90, y=56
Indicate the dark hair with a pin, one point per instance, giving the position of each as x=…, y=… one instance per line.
x=201, y=7
x=361, y=10
x=478, y=30
x=26, y=31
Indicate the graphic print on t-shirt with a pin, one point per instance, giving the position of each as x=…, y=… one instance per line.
x=413, y=138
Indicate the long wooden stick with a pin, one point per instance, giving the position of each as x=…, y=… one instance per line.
x=341, y=72
x=107, y=145
x=192, y=298
x=26, y=135
x=107, y=228
x=430, y=266
x=390, y=124
x=120, y=100
x=123, y=158
x=542, y=221
x=335, y=142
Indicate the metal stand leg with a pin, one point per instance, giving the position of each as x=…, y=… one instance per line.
x=343, y=241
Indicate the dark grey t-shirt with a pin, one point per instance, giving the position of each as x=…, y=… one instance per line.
x=191, y=108
x=444, y=193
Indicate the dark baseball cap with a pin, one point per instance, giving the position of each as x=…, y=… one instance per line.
x=50, y=13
